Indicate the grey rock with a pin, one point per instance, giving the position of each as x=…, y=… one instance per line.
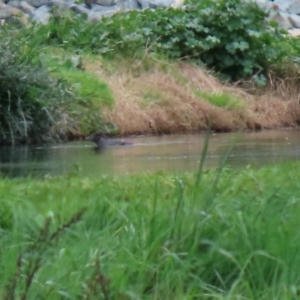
x=106, y=2
x=9, y=14
x=160, y=3
x=23, y=6
x=295, y=32
x=177, y=3
x=128, y=5
x=105, y=9
x=92, y=16
x=37, y=3
x=96, y=16
x=280, y=17
x=42, y=14
x=144, y=4
x=277, y=11
x=294, y=20
x=80, y=9
x=289, y=6
x=89, y=3
x=65, y=5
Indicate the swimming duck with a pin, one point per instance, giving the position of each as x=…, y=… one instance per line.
x=103, y=142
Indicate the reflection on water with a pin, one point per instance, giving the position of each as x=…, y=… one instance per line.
x=171, y=153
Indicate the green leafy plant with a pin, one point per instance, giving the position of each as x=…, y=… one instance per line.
x=231, y=37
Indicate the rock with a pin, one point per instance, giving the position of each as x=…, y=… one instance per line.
x=23, y=6
x=280, y=17
x=121, y=5
x=42, y=14
x=177, y=3
x=106, y=2
x=294, y=20
x=96, y=16
x=295, y=32
x=144, y=3
x=129, y=5
x=275, y=13
x=80, y=9
x=289, y=6
x=65, y=5
x=89, y=3
x=105, y=9
x=9, y=14
x=38, y=3
x=160, y=3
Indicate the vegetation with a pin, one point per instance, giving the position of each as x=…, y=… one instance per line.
x=31, y=102
x=230, y=235
x=221, y=234
x=42, y=100
x=231, y=37
x=222, y=100
x=58, y=99
x=68, y=67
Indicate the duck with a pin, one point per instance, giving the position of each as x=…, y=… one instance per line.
x=102, y=142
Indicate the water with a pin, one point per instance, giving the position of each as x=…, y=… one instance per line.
x=168, y=153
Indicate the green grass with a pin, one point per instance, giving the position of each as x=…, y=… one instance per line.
x=153, y=236
x=88, y=86
x=91, y=94
x=221, y=100
x=67, y=66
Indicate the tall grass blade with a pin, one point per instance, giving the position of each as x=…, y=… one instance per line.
x=203, y=155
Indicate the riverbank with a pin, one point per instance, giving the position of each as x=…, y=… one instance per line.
x=146, y=73
x=161, y=97
x=215, y=235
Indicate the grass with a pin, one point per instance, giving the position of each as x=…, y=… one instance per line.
x=68, y=66
x=152, y=236
x=221, y=100
x=151, y=97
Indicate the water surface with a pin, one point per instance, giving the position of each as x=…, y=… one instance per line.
x=168, y=153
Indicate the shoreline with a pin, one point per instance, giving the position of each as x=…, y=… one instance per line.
x=186, y=98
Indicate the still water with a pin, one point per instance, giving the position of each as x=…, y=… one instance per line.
x=168, y=153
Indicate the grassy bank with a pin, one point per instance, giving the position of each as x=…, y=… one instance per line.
x=232, y=235
x=150, y=72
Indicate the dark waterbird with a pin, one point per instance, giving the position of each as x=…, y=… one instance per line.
x=103, y=142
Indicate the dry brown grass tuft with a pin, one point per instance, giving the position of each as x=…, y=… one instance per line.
x=159, y=101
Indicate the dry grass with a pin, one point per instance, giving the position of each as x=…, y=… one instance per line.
x=162, y=100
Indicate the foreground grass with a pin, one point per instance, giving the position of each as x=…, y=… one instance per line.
x=234, y=236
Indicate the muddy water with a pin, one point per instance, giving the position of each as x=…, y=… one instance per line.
x=168, y=153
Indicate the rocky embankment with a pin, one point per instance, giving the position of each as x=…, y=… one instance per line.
x=285, y=12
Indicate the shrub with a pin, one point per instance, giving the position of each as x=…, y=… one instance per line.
x=31, y=102
x=38, y=106
x=230, y=37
